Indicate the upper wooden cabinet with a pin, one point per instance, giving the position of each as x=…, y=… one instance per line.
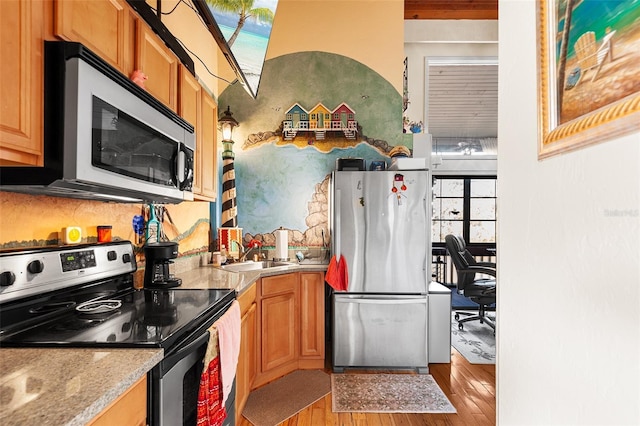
x=158, y=63
x=198, y=108
x=105, y=26
x=21, y=82
x=206, y=153
x=189, y=108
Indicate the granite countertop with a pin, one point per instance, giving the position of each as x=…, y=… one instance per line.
x=66, y=386
x=210, y=276
x=70, y=386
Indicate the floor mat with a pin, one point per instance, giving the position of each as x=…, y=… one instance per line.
x=281, y=399
x=391, y=393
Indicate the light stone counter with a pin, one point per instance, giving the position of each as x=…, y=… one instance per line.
x=70, y=386
x=211, y=277
x=66, y=386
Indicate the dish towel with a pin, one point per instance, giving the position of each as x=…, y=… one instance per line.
x=337, y=275
x=211, y=410
x=228, y=327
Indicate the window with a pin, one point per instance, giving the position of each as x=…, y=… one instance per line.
x=465, y=206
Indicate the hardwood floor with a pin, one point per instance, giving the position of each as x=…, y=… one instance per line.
x=471, y=388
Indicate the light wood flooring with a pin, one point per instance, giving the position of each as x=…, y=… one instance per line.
x=471, y=388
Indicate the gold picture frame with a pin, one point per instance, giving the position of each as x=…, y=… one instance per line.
x=593, y=112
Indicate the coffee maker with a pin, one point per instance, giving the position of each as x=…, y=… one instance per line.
x=158, y=258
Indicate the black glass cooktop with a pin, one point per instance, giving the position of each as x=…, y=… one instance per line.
x=113, y=318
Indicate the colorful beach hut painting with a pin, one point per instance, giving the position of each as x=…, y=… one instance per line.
x=344, y=118
x=320, y=120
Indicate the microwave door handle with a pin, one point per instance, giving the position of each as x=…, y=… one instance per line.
x=180, y=167
x=184, y=168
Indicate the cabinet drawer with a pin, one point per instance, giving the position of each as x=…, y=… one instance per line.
x=279, y=284
x=247, y=298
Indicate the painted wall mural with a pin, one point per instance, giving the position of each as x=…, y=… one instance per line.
x=282, y=179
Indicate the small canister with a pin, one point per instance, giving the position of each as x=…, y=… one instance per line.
x=104, y=233
x=216, y=258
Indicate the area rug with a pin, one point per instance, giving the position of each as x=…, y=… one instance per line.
x=388, y=393
x=274, y=403
x=476, y=342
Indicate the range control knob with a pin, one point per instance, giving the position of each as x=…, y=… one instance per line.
x=112, y=255
x=35, y=267
x=7, y=278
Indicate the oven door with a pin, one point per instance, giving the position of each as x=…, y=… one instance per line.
x=174, y=384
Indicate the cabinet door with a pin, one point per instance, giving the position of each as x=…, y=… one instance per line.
x=207, y=161
x=246, y=370
x=104, y=26
x=279, y=321
x=21, y=82
x=190, y=99
x=158, y=63
x=128, y=409
x=312, y=315
x=252, y=345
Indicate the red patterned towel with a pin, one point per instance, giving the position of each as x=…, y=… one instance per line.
x=211, y=412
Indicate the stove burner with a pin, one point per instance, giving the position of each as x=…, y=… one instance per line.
x=89, y=319
x=96, y=307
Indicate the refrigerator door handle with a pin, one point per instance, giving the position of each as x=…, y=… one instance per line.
x=382, y=301
x=336, y=230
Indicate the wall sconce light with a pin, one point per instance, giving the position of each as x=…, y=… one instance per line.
x=226, y=124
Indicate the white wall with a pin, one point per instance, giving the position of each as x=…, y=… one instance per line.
x=568, y=336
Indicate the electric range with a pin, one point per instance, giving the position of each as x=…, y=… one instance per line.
x=83, y=296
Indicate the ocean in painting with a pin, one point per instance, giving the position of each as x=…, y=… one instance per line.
x=249, y=49
x=265, y=191
x=599, y=16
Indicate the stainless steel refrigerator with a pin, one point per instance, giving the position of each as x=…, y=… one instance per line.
x=381, y=225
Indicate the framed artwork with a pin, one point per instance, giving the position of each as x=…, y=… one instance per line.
x=242, y=30
x=588, y=72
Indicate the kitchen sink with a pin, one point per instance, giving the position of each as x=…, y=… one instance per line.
x=254, y=266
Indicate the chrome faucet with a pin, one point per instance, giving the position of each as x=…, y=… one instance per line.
x=252, y=246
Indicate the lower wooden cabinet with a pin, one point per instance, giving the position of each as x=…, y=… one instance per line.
x=282, y=326
x=129, y=409
x=247, y=364
x=279, y=328
x=290, y=324
x=312, y=328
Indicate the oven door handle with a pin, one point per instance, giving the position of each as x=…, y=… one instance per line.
x=169, y=362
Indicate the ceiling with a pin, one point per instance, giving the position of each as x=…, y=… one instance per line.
x=450, y=9
x=462, y=107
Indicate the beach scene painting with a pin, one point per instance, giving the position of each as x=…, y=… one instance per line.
x=602, y=53
x=589, y=72
x=246, y=27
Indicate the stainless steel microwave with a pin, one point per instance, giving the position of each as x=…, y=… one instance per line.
x=105, y=138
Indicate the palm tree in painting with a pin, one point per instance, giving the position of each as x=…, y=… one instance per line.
x=567, y=6
x=245, y=10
